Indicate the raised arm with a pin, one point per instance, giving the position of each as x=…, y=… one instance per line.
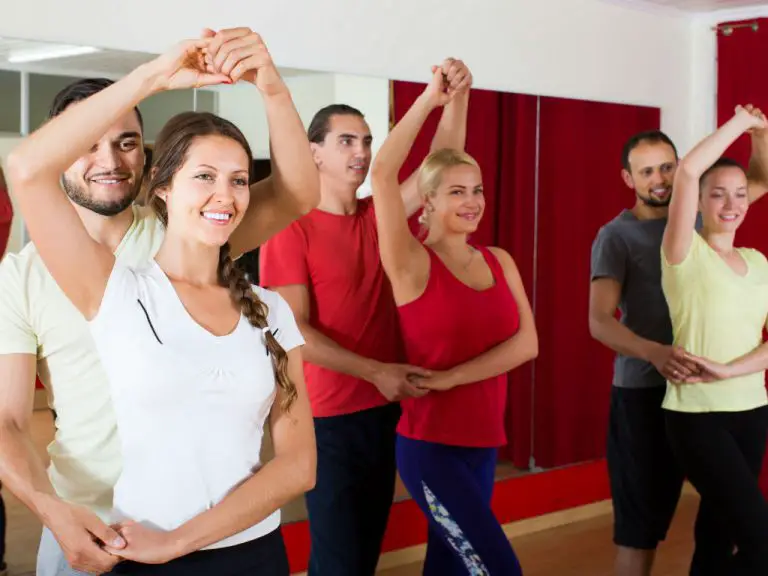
x=293, y=188
x=683, y=208
x=79, y=264
x=451, y=130
x=513, y=352
x=288, y=475
x=401, y=253
x=757, y=170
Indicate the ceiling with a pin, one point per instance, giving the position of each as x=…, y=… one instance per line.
x=109, y=63
x=707, y=5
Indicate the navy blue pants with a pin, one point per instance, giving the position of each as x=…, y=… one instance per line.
x=349, y=507
x=453, y=487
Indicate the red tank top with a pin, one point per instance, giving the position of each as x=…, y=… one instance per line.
x=449, y=324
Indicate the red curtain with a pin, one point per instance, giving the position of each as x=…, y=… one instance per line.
x=501, y=136
x=740, y=82
x=580, y=189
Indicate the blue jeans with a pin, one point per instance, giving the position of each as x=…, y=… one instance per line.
x=453, y=486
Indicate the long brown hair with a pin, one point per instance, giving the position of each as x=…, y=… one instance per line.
x=170, y=153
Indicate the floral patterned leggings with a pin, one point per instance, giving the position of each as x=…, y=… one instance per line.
x=453, y=486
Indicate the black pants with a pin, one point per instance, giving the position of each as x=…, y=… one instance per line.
x=349, y=506
x=265, y=556
x=722, y=454
x=646, y=479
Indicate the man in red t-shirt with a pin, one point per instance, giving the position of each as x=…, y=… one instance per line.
x=326, y=265
x=6, y=217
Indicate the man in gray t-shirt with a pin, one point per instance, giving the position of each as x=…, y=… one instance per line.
x=646, y=480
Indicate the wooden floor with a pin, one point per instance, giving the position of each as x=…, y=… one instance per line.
x=582, y=548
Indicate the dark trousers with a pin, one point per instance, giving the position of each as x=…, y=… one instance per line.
x=265, y=556
x=349, y=506
x=722, y=454
x=453, y=487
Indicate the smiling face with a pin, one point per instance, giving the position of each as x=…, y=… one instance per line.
x=107, y=179
x=652, y=166
x=723, y=198
x=200, y=178
x=452, y=187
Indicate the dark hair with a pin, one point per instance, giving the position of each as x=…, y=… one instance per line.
x=722, y=162
x=171, y=148
x=80, y=90
x=650, y=136
x=320, y=125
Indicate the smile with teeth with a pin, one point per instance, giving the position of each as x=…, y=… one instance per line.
x=109, y=181
x=728, y=217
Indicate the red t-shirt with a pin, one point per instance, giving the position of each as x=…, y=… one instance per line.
x=6, y=218
x=337, y=258
x=449, y=324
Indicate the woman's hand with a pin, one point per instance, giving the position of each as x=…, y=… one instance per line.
x=184, y=66
x=438, y=381
x=754, y=117
x=439, y=91
x=709, y=370
x=241, y=54
x=144, y=544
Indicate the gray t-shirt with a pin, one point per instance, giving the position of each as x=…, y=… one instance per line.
x=629, y=251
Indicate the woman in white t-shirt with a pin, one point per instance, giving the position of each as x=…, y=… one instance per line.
x=198, y=360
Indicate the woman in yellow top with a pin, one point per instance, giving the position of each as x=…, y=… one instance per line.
x=718, y=302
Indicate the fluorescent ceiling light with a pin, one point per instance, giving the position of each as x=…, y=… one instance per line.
x=49, y=53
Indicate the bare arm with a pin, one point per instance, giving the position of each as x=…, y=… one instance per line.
x=293, y=188
x=680, y=228
x=289, y=474
x=23, y=472
x=392, y=380
x=604, y=296
x=513, y=352
x=80, y=265
x=402, y=255
x=757, y=171
x=451, y=131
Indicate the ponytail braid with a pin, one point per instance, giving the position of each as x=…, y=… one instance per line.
x=256, y=312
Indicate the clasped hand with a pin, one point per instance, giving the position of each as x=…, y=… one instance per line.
x=223, y=57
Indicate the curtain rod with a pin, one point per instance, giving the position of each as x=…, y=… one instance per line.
x=727, y=29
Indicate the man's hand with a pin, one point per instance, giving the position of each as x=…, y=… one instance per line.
x=81, y=534
x=396, y=381
x=673, y=363
x=145, y=545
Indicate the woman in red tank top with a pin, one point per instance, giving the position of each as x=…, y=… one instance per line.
x=464, y=315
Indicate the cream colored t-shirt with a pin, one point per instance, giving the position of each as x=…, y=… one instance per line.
x=717, y=314
x=37, y=318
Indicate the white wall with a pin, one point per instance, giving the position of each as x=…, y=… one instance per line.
x=572, y=48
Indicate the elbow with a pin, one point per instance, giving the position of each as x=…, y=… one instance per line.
x=18, y=169
x=687, y=171
x=533, y=350
x=306, y=470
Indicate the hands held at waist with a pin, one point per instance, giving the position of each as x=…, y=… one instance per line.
x=679, y=366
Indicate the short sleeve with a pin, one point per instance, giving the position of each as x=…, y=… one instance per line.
x=16, y=333
x=120, y=295
x=609, y=256
x=283, y=259
x=281, y=320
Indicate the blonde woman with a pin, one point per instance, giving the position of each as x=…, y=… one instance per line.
x=465, y=316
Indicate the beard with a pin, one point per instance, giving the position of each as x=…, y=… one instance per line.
x=79, y=196
x=653, y=202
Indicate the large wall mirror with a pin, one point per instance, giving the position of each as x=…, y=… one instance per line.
x=551, y=168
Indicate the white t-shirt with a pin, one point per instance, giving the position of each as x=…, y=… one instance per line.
x=190, y=406
x=37, y=318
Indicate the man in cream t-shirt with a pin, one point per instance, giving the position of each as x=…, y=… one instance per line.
x=42, y=332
